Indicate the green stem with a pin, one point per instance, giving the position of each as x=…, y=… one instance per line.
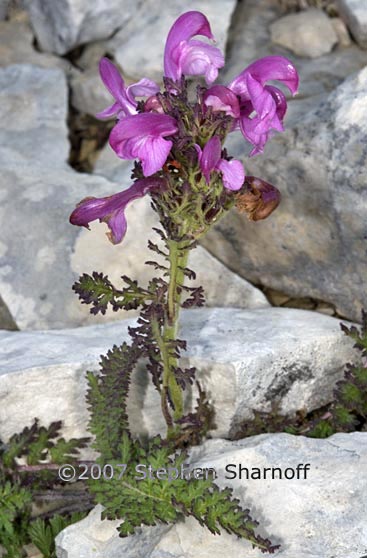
x=178, y=254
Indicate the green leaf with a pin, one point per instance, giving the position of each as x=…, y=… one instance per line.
x=43, y=532
x=150, y=501
x=67, y=450
x=97, y=290
x=42, y=537
x=106, y=398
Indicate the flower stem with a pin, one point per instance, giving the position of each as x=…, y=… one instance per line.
x=178, y=255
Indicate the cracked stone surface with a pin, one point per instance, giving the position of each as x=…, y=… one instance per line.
x=246, y=359
x=354, y=12
x=66, y=24
x=16, y=46
x=320, y=516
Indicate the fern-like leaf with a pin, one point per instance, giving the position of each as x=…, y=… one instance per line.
x=151, y=501
x=98, y=291
x=107, y=396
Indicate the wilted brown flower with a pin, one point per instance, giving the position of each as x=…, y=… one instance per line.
x=257, y=198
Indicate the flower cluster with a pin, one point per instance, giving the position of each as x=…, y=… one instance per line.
x=179, y=142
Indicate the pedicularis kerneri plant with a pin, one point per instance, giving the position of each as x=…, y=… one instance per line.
x=192, y=182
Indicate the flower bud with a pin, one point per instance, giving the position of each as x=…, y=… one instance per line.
x=153, y=104
x=258, y=200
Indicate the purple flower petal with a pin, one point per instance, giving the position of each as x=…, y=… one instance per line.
x=112, y=79
x=143, y=88
x=199, y=59
x=141, y=136
x=109, y=111
x=209, y=156
x=111, y=209
x=266, y=101
x=276, y=68
x=182, y=55
x=261, y=99
x=233, y=173
x=256, y=132
x=280, y=100
x=220, y=98
x=124, y=96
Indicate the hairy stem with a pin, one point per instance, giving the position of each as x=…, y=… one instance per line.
x=178, y=254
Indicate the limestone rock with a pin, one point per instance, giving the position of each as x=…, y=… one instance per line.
x=102, y=535
x=308, y=33
x=6, y=319
x=33, y=112
x=154, y=19
x=354, y=13
x=341, y=31
x=314, y=244
x=67, y=24
x=16, y=46
x=88, y=94
x=250, y=35
x=4, y=4
x=246, y=359
x=4, y=7
x=322, y=515
x=37, y=242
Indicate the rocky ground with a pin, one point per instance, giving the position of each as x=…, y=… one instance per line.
x=308, y=259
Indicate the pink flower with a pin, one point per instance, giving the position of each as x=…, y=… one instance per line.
x=141, y=137
x=184, y=55
x=125, y=102
x=111, y=210
x=262, y=107
x=233, y=173
x=220, y=98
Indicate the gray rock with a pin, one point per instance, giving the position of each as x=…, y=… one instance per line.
x=67, y=24
x=88, y=94
x=322, y=515
x=341, y=31
x=91, y=55
x=324, y=74
x=246, y=359
x=16, y=46
x=250, y=35
x=37, y=242
x=154, y=20
x=309, y=33
x=33, y=111
x=102, y=535
x=6, y=319
x=314, y=244
x=4, y=4
x=354, y=13
x=112, y=167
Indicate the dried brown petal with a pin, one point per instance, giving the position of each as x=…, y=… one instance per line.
x=259, y=200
